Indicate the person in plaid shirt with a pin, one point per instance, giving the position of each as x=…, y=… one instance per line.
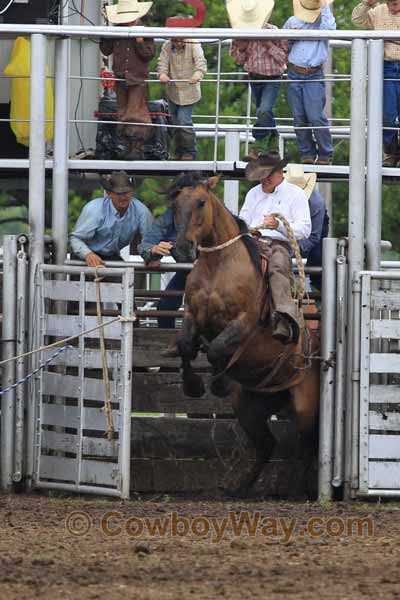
x=263, y=60
x=383, y=16
x=181, y=66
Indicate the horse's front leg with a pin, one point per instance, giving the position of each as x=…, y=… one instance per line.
x=188, y=347
x=228, y=341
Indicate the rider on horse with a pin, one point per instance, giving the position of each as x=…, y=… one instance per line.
x=276, y=195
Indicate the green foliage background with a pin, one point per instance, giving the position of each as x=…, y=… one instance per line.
x=234, y=102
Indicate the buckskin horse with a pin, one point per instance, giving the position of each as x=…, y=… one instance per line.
x=227, y=311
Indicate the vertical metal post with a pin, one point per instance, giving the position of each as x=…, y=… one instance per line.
x=231, y=188
x=61, y=146
x=356, y=225
x=37, y=156
x=217, y=104
x=248, y=120
x=326, y=188
x=22, y=285
x=327, y=396
x=340, y=379
x=8, y=371
x=373, y=216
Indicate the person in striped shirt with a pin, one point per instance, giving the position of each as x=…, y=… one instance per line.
x=181, y=67
x=265, y=62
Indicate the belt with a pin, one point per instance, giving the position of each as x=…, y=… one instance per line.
x=304, y=70
x=259, y=76
x=274, y=242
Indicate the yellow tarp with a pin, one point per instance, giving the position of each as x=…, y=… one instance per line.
x=20, y=65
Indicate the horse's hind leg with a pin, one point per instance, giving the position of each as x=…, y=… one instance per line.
x=305, y=400
x=252, y=412
x=188, y=345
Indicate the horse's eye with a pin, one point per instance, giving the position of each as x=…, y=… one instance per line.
x=202, y=203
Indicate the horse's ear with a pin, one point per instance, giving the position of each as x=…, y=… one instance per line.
x=212, y=181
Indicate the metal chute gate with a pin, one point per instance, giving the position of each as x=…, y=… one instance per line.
x=71, y=451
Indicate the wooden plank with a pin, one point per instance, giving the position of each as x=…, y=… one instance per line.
x=58, y=468
x=384, y=446
x=96, y=472
x=384, y=420
x=91, y=446
x=162, y=392
x=64, y=442
x=384, y=394
x=386, y=300
x=70, y=290
x=384, y=475
x=279, y=478
x=385, y=363
x=69, y=325
x=387, y=328
x=148, y=344
x=91, y=358
x=68, y=386
x=201, y=438
x=69, y=417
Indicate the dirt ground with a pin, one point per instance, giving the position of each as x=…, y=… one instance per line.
x=60, y=547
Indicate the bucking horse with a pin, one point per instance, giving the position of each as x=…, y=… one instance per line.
x=228, y=314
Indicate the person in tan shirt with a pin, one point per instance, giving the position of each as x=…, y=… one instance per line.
x=386, y=16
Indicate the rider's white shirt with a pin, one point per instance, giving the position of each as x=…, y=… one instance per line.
x=287, y=199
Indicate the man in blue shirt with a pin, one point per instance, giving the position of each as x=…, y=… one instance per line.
x=307, y=94
x=311, y=247
x=108, y=224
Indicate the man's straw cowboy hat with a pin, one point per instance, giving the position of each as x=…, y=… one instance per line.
x=249, y=14
x=263, y=166
x=127, y=11
x=295, y=175
x=118, y=182
x=307, y=10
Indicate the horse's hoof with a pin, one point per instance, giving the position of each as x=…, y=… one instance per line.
x=194, y=387
x=220, y=389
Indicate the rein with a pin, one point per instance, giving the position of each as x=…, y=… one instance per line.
x=209, y=250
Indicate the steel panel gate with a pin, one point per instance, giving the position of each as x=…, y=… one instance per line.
x=72, y=451
x=379, y=454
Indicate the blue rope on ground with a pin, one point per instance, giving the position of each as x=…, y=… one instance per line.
x=40, y=367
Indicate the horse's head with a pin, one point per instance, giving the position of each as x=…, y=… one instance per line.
x=193, y=200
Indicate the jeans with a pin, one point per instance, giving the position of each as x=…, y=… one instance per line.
x=307, y=102
x=265, y=96
x=391, y=105
x=185, y=139
x=178, y=282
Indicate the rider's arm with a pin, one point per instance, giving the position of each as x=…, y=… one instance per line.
x=85, y=230
x=299, y=219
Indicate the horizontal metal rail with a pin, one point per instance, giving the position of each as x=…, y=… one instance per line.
x=206, y=35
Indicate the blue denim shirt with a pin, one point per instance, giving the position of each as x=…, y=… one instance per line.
x=319, y=228
x=310, y=53
x=163, y=230
x=101, y=229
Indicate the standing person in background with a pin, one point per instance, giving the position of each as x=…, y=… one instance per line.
x=181, y=67
x=264, y=60
x=307, y=93
x=131, y=58
x=373, y=15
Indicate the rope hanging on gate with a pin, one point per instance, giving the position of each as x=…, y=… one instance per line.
x=107, y=389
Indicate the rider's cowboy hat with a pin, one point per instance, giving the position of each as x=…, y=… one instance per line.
x=127, y=11
x=264, y=166
x=118, y=182
x=295, y=174
x=307, y=10
x=249, y=14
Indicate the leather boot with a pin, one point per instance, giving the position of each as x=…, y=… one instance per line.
x=285, y=329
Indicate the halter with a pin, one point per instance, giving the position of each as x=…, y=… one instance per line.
x=207, y=250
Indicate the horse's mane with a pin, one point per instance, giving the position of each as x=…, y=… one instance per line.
x=249, y=242
x=195, y=178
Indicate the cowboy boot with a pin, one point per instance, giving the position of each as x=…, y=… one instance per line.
x=391, y=154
